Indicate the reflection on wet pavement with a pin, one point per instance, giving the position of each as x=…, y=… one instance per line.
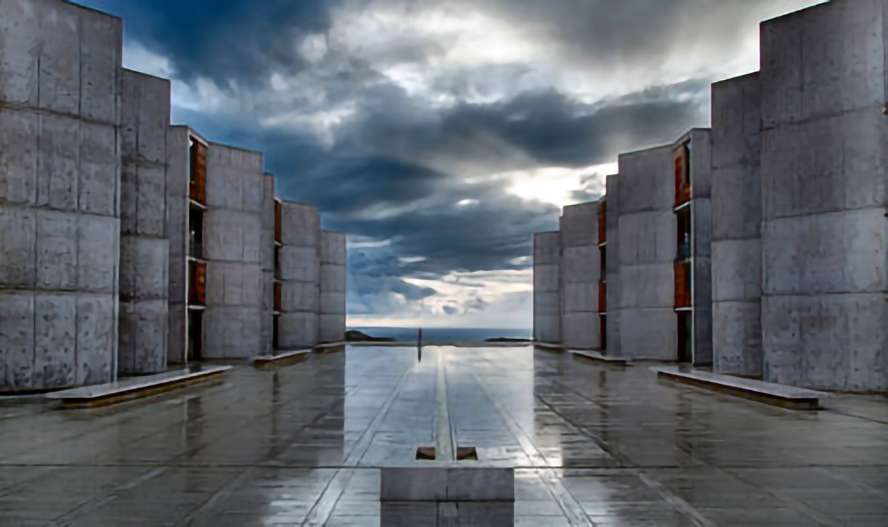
x=592, y=444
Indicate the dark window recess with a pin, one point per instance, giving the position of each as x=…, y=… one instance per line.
x=197, y=170
x=682, y=284
x=602, y=253
x=685, y=333
x=197, y=284
x=195, y=233
x=277, y=262
x=681, y=160
x=683, y=234
x=275, y=329
x=278, y=296
x=278, y=230
x=602, y=222
x=195, y=335
x=602, y=297
x=602, y=324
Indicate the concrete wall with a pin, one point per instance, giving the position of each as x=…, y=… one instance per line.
x=333, y=253
x=232, y=247
x=144, y=247
x=701, y=212
x=546, y=287
x=824, y=196
x=177, y=173
x=736, y=226
x=613, y=266
x=267, y=262
x=580, y=272
x=299, y=272
x=646, y=248
x=59, y=194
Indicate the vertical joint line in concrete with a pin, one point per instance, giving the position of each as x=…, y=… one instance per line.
x=445, y=449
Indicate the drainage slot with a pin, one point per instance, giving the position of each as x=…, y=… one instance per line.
x=466, y=453
x=425, y=453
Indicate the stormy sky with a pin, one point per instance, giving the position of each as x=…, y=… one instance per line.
x=440, y=134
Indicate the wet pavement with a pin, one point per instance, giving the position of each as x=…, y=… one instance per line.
x=592, y=444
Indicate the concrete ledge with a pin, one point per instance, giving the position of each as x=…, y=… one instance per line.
x=280, y=359
x=405, y=484
x=548, y=345
x=598, y=356
x=135, y=387
x=327, y=347
x=776, y=394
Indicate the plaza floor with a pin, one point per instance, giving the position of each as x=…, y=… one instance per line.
x=592, y=444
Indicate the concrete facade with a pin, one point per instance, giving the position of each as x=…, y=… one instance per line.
x=547, y=287
x=824, y=196
x=579, y=276
x=736, y=227
x=144, y=246
x=299, y=273
x=333, y=254
x=100, y=230
x=231, y=247
x=60, y=68
x=646, y=242
x=777, y=228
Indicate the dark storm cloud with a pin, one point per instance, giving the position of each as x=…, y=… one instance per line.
x=224, y=40
x=393, y=171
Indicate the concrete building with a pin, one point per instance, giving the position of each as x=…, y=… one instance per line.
x=767, y=257
x=60, y=90
x=144, y=244
x=580, y=276
x=129, y=244
x=820, y=149
x=547, y=287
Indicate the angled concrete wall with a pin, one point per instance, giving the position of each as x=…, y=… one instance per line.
x=333, y=253
x=736, y=226
x=701, y=212
x=646, y=248
x=580, y=272
x=267, y=262
x=546, y=287
x=59, y=194
x=232, y=247
x=613, y=266
x=299, y=325
x=177, y=189
x=824, y=188
x=144, y=247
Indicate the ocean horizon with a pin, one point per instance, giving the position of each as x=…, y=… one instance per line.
x=443, y=335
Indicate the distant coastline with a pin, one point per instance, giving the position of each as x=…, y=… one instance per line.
x=439, y=336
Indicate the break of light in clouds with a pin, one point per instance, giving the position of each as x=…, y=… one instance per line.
x=441, y=134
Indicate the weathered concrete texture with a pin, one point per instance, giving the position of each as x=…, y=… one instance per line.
x=266, y=256
x=736, y=226
x=701, y=212
x=144, y=248
x=300, y=271
x=59, y=186
x=333, y=253
x=646, y=248
x=546, y=287
x=613, y=347
x=233, y=234
x=177, y=172
x=824, y=196
x=580, y=272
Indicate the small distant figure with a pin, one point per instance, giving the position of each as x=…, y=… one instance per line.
x=419, y=344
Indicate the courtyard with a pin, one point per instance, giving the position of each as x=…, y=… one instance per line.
x=591, y=444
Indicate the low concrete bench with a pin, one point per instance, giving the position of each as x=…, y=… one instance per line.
x=598, y=356
x=447, y=495
x=280, y=359
x=135, y=387
x=766, y=392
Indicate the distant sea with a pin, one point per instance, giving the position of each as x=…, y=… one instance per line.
x=444, y=335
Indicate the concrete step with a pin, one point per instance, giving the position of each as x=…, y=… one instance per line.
x=782, y=395
x=136, y=387
x=281, y=358
x=598, y=356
